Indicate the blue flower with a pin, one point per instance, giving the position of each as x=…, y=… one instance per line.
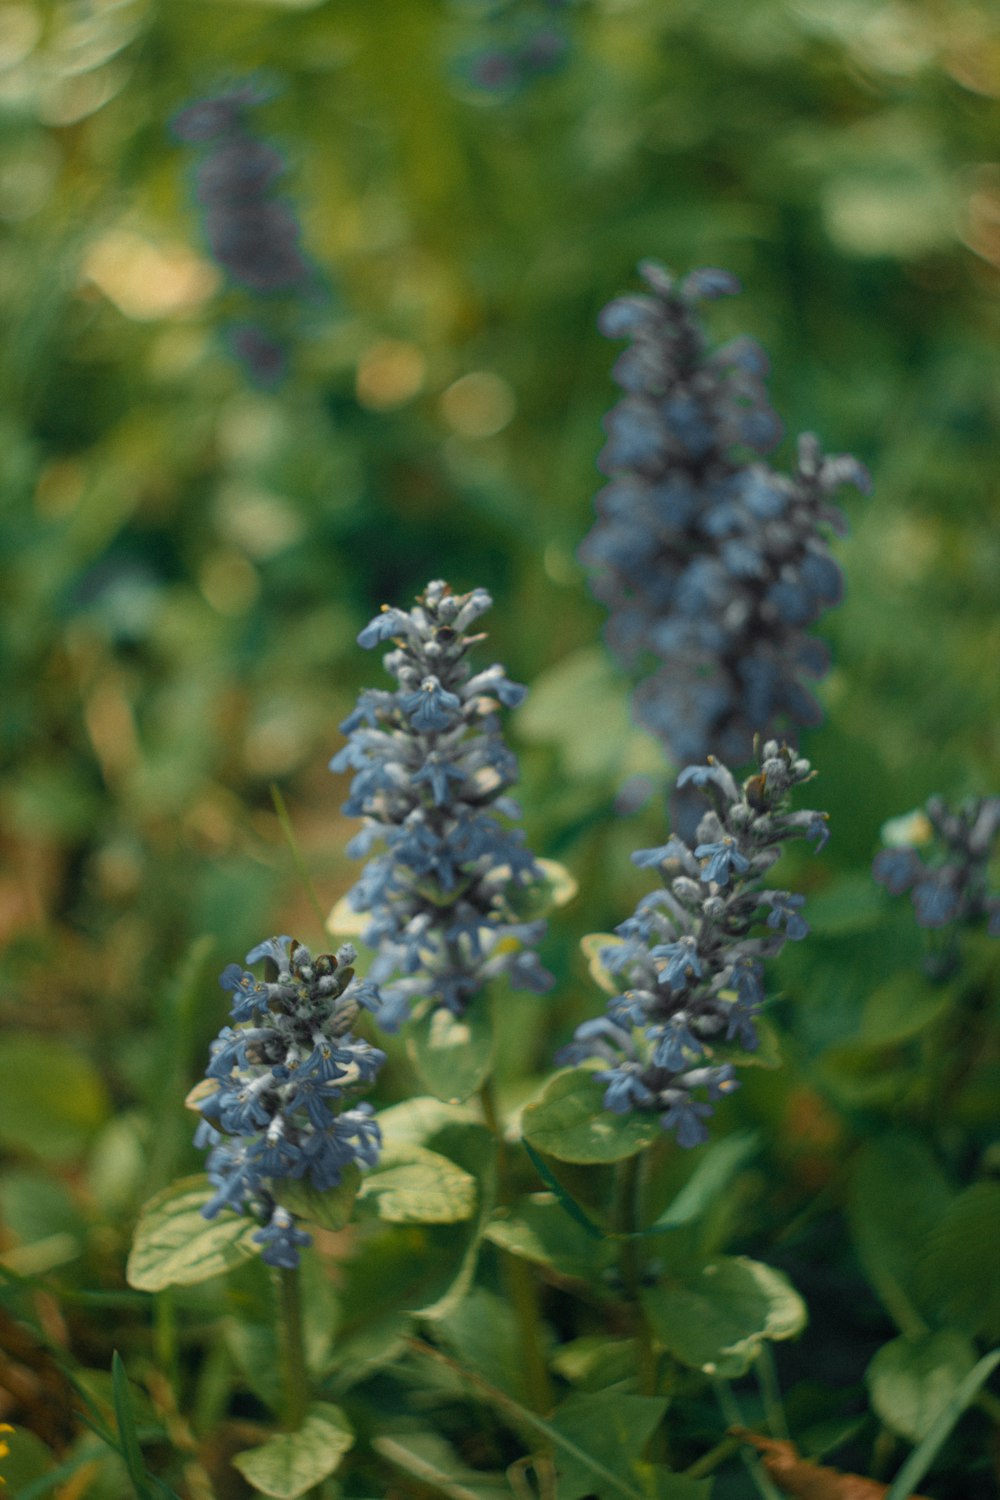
x=281, y=1240
x=682, y=962
x=896, y=869
x=689, y=946
x=279, y=1111
x=432, y=774
x=720, y=858
x=431, y=706
x=785, y=909
x=711, y=564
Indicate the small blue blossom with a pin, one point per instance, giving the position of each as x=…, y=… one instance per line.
x=283, y=1104
x=431, y=779
x=896, y=869
x=280, y=1240
x=785, y=911
x=720, y=858
x=692, y=953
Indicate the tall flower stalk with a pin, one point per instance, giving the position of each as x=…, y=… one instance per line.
x=446, y=897
x=278, y=1101
x=690, y=960
x=710, y=563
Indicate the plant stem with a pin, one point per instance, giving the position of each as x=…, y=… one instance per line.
x=627, y=1223
x=294, y=1374
x=521, y=1286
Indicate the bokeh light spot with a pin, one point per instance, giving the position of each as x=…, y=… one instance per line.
x=390, y=373
x=478, y=405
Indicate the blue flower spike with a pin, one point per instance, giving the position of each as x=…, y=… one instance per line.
x=431, y=781
x=287, y=1077
x=691, y=957
x=711, y=564
x=948, y=875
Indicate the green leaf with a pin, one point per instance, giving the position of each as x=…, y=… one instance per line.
x=290, y=1463
x=125, y=1421
x=330, y=1209
x=591, y=946
x=714, y=1317
x=714, y=1171
x=452, y=1055
x=565, y=1198
x=569, y=1122
x=537, y=1229
x=432, y=1461
x=959, y=1269
x=897, y=1195
x=608, y=1429
x=901, y=1008
x=556, y=888
x=175, y=1246
x=52, y=1099
x=423, y=1269
x=411, y=1185
x=596, y=1361
x=913, y=1380
x=560, y=710
x=415, y=1121
x=923, y=1456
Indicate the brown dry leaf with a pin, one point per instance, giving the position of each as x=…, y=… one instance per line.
x=808, y=1481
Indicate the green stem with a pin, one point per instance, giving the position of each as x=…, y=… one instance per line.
x=521, y=1286
x=770, y=1390
x=734, y=1418
x=627, y=1223
x=293, y=1353
x=296, y=853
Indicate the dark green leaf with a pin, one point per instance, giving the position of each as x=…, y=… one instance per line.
x=331, y=1209
x=714, y=1317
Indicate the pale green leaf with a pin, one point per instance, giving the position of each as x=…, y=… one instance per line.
x=912, y=1380
x=569, y=1122
x=291, y=1463
x=411, y=1185
x=175, y=1246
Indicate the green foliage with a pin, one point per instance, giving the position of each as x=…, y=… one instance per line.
x=715, y=1315
x=291, y=1463
x=411, y=1185
x=569, y=1122
x=53, y=1098
x=452, y=1056
x=176, y=1246
x=913, y=1380
x=188, y=559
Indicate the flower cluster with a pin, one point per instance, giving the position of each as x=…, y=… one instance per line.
x=276, y=1100
x=693, y=953
x=447, y=897
x=714, y=564
x=253, y=235
x=526, y=43
x=949, y=884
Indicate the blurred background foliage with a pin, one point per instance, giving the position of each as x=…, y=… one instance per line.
x=188, y=556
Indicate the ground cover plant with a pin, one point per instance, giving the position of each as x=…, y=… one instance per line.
x=501, y=964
